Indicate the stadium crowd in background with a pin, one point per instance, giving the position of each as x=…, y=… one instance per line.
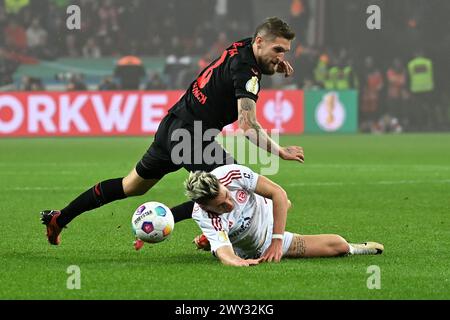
x=394, y=95
x=116, y=27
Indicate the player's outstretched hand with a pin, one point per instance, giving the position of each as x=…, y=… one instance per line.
x=252, y=262
x=285, y=67
x=246, y=262
x=292, y=153
x=274, y=252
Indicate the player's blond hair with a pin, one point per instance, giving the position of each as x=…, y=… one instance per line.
x=201, y=186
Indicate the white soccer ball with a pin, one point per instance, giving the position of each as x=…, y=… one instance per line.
x=152, y=222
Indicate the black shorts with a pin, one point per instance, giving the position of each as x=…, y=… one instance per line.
x=166, y=155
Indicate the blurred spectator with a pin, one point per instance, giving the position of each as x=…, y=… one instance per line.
x=219, y=45
x=203, y=62
x=304, y=62
x=91, y=49
x=131, y=16
x=221, y=12
x=63, y=4
x=129, y=70
x=3, y=23
x=108, y=18
x=421, y=85
x=387, y=124
x=54, y=23
x=72, y=46
x=14, y=6
x=25, y=83
x=236, y=30
x=155, y=82
x=175, y=69
x=321, y=72
x=108, y=84
x=187, y=75
x=31, y=84
x=76, y=83
x=15, y=36
x=36, y=38
x=372, y=83
x=7, y=68
x=342, y=75
x=299, y=18
x=109, y=47
x=397, y=93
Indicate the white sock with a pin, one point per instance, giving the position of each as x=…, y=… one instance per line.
x=351, y=250
x=356, y=249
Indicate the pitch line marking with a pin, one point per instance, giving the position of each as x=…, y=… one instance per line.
x=305, y=184
x=385, y=182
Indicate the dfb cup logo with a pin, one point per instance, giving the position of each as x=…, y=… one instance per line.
x=241, y=196
x=278, y=111
x=330, y=113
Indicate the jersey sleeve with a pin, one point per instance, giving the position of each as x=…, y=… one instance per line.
x=245, y=80
x=214, y=227
x=237, y=175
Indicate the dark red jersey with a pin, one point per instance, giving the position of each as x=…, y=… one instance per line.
x=212, y=97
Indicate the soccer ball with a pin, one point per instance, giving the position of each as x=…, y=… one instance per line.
x=152, y=222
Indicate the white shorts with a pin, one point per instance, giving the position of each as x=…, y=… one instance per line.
x=287, y=240
x=257, y=253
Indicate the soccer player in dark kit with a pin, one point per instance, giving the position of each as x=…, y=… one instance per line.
x=226, y=91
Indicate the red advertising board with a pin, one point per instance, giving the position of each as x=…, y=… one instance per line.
x=120, y=113
x=279, y=109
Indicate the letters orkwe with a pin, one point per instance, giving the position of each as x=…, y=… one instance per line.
x=120, y=113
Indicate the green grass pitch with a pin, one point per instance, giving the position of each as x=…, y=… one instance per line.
x=393, y=189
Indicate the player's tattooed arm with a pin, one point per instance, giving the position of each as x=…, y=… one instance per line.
x=251, y=127
x=255, y=133
x=247, y=116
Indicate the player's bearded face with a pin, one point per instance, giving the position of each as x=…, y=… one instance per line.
x=271, y=53
x=223, y=203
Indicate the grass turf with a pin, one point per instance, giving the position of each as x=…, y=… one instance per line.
x=393, y=189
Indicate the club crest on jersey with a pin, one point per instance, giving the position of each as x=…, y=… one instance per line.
x=241, y=196
x=252, y=85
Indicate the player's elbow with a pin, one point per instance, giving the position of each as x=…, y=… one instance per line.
x=281, y=195
x=250, y=128
x=245, y=125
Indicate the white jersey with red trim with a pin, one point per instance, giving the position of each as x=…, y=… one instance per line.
x=248, y=226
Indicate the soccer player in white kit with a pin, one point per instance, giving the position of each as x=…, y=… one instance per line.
x=243, y=217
